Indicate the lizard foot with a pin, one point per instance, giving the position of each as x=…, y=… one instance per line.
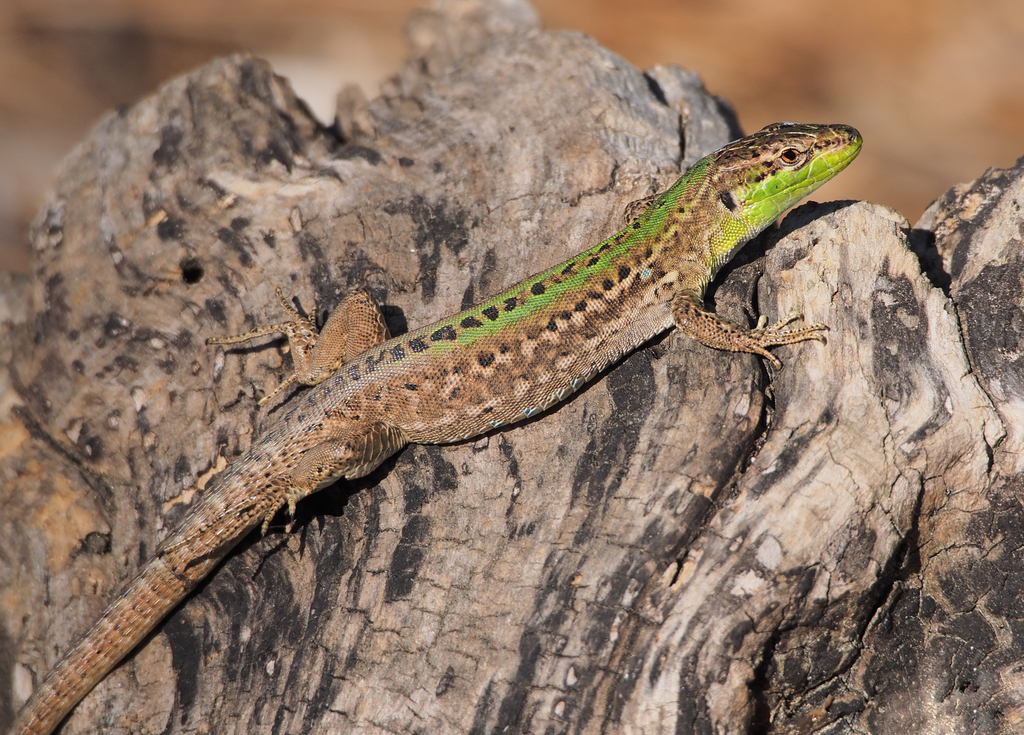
x=712, y=330
x=355, y=326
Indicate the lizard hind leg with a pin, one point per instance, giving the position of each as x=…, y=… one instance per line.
x=355, y=450
x=354, y=327
x=712, y=330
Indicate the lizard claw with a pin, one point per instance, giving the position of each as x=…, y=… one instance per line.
x=292, y=499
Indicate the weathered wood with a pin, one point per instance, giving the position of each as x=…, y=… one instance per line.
x=689, y=545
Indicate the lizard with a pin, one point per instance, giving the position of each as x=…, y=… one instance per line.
x=489, y=366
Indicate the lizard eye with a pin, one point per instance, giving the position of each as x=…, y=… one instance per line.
x=790, y=156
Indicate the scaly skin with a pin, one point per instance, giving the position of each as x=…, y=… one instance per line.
x=492, y=365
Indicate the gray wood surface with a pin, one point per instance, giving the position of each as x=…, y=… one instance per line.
x=691, y=544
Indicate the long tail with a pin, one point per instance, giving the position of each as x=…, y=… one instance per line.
x=145, y=602
x=161, y=585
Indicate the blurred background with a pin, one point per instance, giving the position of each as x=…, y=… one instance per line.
x=935, y=86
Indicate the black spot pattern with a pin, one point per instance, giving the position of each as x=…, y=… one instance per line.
x=444, y=334
x=372, y=362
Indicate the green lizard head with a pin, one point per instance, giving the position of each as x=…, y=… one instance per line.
x=759, y=177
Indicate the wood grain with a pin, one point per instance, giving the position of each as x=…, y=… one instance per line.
x=689, y=545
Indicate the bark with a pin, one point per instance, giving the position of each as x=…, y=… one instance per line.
x=694, y=543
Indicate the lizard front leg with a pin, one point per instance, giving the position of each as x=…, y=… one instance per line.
x=284, y=468
x=712, y=330
x=354, y=327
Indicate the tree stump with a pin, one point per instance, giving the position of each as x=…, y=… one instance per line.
x=694, y=543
